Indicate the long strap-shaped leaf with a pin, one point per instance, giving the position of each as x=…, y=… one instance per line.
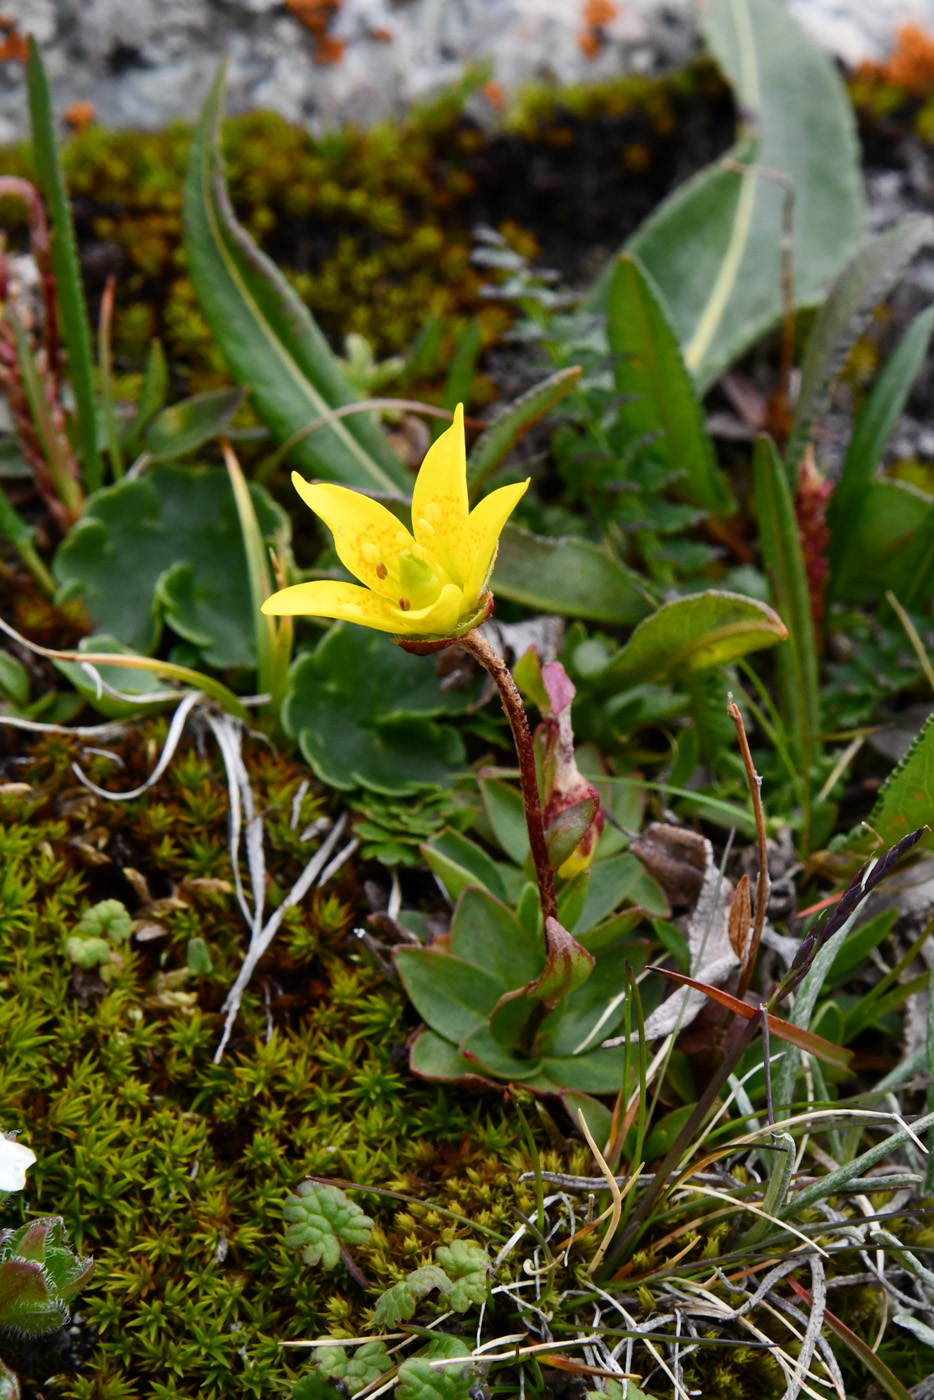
x=862, y=284
x=807, y=1040
x=784, y=560
x=76, y=328
x=267, y=335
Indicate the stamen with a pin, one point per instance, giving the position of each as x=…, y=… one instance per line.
x=404, y=604
x=425, y=526
x=381, y=570
x=369, y=552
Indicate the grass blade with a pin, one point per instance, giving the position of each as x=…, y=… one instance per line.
x=890, y=1383
x=784, y=562
x=76, y=329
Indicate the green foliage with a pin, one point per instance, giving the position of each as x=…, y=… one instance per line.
x=354, y=1373
x=713, y=247
x=905, y=802
x=105, y=926
x=39, y=1276
x=843, y=316
x=467, y=1265
x=319, y=1218
x=172, y=1170
x=398, y=1303
x=168, y=547
x=659, y=410
x=364, y=712
x=569, y=576
x=692, y=634
x=267, y=336
x=419, y=1380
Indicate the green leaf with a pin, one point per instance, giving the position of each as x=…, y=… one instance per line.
x=658, y=402
x=872, y=430
x=364, y=1368
x=397, y=1304
x=595, y=1072
x=879, y=539
x=589, y=1015
x=453, y=997
x=187, y=425
x=568, y=829
x=313, y=1387
x=906, y=800
x=617, y=880
x=168, y=545
x=569, y=576
x=267, y=335
x=839, y=323
x=361, y=710
x=14, y=680
x=467, y=1265
x=69, y=289
x=106, y=919
x=506, y=814
x=485, y=932
x=784, y=561
x=459, y=862
x=497, y=1057
x=713, y=247
x=418, y=1380
x=152, y=395
x=319, y=1218
x=128, y=680
x=494, y=445
x=432, y=1057
x=691, y=634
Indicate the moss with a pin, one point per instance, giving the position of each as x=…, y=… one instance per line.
x=172, y=1170
x=373, y=228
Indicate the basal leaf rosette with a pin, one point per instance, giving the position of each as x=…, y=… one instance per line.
x=423, y=584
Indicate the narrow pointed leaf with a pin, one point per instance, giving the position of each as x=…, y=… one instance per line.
x=872, y=431
x=795, y=1035
x=76, y=329
x=268, y=336
x=862, y=284
x=498, y=440
x=784, y=561
x=658, y=400
x=860, y=1349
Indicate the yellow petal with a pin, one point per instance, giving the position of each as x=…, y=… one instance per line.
x=368, y=537
x=484, y=528
x=328, y=598
x=439, y=500
x=439, y=620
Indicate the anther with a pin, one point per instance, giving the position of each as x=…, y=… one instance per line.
x=425, y=526
x=381, y=570
x=404, y=604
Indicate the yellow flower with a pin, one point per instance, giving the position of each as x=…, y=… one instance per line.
x=429, y=583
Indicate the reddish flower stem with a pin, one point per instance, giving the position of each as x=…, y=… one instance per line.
x=479, y=648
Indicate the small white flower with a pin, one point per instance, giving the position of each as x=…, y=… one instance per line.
x=15, y=1161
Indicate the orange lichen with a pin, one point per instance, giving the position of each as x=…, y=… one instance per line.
x=79, y=115
x=13, y=46
x=495, y=95
x=910, y=65
x=597, y=13
x=316, y=15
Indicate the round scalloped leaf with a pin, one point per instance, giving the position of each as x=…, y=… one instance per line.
x=419, y=1380
x=168, y=546
x=398, y=1303
x=367, y=1364
x=319, y=1218
x=364, y=714
x=468, y=1266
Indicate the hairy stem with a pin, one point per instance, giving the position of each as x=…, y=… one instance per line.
x=479, y=648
